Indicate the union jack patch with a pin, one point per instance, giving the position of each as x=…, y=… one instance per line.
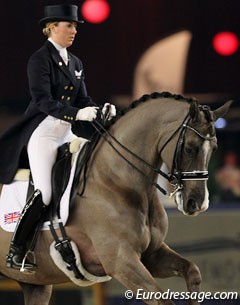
x=11, y=217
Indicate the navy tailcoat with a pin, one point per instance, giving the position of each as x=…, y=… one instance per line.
x=57, y=90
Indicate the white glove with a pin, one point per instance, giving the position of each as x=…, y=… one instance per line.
x=87, y=114
x=112, y=111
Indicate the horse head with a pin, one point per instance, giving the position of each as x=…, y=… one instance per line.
x=196, y=143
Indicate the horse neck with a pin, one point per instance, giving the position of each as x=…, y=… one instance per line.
x=144, y=129
x=138, y=130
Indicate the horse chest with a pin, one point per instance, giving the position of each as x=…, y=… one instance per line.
x=158, y=224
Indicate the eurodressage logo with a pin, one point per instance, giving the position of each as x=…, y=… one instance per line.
x=187, y=295
x=10, y=218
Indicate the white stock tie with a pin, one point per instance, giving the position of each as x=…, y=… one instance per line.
x=63, y=54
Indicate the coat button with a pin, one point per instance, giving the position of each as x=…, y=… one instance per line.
x=71, y=88
x=62, y=97
x=65, y=117
x=60, y=63
x=66, y=87
x=68, y=98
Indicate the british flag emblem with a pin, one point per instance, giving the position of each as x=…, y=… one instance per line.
x=11, y=217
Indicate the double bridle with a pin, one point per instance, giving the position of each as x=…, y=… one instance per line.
x=176, y=176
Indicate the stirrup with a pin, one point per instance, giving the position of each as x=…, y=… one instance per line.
x=21, y=266
x=32, y=269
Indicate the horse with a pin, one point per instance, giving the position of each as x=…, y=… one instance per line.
x=119, y=224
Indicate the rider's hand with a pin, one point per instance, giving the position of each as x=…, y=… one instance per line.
x=87, y=114
x=111, y=110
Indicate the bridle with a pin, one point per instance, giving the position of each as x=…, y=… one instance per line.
x=176, y=177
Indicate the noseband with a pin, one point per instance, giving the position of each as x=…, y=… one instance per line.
x=176, y=176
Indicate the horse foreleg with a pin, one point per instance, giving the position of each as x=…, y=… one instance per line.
x=167, y=263
x=130, y=271
x=36, y=294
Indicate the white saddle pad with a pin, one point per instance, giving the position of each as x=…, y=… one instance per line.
x=13, y=199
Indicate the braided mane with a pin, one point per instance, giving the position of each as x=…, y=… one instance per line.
x=147, y=97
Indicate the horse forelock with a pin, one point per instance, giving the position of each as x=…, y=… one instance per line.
x=207, y=113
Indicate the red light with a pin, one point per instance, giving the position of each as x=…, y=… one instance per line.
x=95, y=11
x=225, y=43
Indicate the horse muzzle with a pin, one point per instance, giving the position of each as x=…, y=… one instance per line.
x=192, y=204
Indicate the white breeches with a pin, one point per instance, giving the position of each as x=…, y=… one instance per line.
x=42, y=152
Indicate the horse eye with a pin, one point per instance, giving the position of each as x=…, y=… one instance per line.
x=191, y=151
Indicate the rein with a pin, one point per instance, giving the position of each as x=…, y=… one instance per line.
x=104, y=133
x=176, y=177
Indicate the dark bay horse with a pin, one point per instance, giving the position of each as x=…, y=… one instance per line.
x=119, y=224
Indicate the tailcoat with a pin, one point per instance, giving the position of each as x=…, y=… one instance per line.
x=56, y=90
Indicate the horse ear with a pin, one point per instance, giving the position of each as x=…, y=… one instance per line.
x=194, y=112
x=221, y=111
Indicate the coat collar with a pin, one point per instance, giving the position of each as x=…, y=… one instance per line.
x=68, y=71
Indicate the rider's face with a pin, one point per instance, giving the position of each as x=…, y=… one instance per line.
x=64, y=33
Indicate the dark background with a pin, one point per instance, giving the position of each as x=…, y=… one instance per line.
x=111, y=50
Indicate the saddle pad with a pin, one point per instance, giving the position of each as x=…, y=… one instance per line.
x=13, y=199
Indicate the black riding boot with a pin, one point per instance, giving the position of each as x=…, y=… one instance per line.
x=31, y=214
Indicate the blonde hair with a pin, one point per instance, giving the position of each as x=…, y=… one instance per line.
x=47, y=31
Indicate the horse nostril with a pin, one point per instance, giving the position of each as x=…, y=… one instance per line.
x=192, y=206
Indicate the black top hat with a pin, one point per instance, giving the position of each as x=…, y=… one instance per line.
x=66, y=12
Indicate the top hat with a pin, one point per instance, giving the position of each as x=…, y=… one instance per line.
x=66, y=12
